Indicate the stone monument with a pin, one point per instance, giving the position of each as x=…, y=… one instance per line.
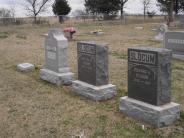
x=149, y=87
x=93, y=74
x=175, y=42
x=56, y=68
x=160, y=32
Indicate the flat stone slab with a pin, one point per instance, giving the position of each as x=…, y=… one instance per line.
x=57, y=78
x=157, y=116
x=25, y=67
x=96, y=93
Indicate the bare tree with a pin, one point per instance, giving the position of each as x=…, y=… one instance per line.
x=146, y=4
x=167, y=6
x=122, y=4
x=35, y=7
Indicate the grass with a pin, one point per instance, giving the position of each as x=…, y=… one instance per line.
x=119, y=55
x=3, y=35
x=30, y=107
x=21, y=36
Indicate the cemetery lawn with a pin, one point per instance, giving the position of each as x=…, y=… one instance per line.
x=32, y=108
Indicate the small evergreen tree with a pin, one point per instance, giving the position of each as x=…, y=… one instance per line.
x=60, y=8
x=105, y=7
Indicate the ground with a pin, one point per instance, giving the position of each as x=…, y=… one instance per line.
x=32, y=108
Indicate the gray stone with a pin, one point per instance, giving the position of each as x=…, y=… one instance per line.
x=149, y=84
x=56, y=78
x=160, y=32
x=96, y=93
x=25, y=67
x=175, y=42
x=93, y=72
x=56, y=68
x=157, y=116
x=181, y=19
x=93, y=63
x=149, y=75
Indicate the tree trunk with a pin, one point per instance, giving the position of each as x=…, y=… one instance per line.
x=144, y=12
x=176, y=5
x=122, y=13
x=170, y=13
x=35, y=19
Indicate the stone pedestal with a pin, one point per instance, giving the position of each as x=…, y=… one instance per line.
x=157, y=116
x=96, y=93
x=56, y=78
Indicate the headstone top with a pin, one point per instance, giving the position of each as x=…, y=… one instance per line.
x=56, y=33
x=163, y=28
x=93, y=43
x=151, y=49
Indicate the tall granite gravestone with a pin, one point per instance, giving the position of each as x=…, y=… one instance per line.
x=175, y=42
x=93, y=76
x=149, y=86
x=160, y=32
x=56, y=68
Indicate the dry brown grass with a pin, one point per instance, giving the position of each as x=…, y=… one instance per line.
x=32, y=108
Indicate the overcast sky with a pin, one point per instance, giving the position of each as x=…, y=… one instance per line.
x=132, y=6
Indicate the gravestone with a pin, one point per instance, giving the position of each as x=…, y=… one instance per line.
x=149, y=87
x=175, y=42
x=160, y=32
x=93, y=76
x=25, y=67
x=181, y=19
x=56, y=68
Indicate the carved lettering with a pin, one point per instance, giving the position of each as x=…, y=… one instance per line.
x=142, y=57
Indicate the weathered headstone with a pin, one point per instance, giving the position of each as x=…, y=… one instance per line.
x=181, y=19
x=56, y=68
x=25, y=67
x=175, y=42
x=149, y=86
x=160, y=32
x=93, y=75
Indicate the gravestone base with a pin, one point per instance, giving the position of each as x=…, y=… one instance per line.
x=56, y=78
x=96, y=93
x=157, y=116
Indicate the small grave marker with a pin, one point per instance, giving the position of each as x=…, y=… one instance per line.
x=25, y=67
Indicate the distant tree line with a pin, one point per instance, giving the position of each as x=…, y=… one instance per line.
x=106, y=8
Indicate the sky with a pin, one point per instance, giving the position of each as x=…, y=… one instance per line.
x=132, y=6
